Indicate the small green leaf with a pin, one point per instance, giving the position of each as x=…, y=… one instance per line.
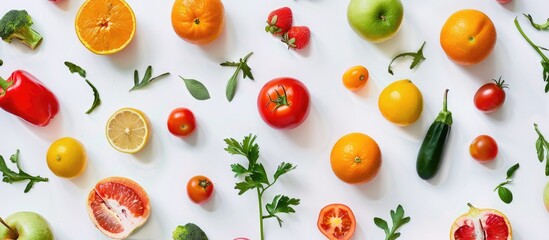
x=73, y=68
x=96, y=98
x=512, y=171
x=196, y=88
x=282, y=169
x=259, y=174
x=418, y=58
x=146, y=79
x=505, y=195
x=231, y=87
x=9, y=176
x=238, y=169
x=540, y=149
x=380, y=223
x=242, y=65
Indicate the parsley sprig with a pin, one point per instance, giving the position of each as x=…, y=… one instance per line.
x=418, y=58
x=10, y=176
x=504, y=193
x=242, y=64
x=255, y=177
x=544, y=58
x=73, y=68
x=542, y=148
x=398, y=220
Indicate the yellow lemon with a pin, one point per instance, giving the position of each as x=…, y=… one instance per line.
x=66, y=157
x=128, y=130
x=401, y=102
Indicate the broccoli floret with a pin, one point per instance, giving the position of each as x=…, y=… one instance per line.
x=189, y=232
x=16, y=24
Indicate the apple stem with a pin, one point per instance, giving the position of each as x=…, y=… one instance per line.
x=13, y=233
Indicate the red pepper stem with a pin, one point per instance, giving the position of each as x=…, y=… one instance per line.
x=4, y=85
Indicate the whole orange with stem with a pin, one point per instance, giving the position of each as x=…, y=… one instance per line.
x=355, y=158
x=198, y=21
x=468, y=37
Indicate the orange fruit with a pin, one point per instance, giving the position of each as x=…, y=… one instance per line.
x=355, y=78
x=105, y=26
x=468, y=36
x=355, y=158
x=66, y=157
x=118, y=206
x=198, y=21
x=480, y=224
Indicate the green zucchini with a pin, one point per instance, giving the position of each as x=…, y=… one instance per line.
x=432, y=148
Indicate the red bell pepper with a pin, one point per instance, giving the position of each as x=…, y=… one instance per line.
x=26, y=97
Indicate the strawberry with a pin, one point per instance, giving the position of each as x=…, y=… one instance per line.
x=297, y=37
x=279, y=21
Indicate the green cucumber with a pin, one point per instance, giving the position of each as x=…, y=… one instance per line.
x=432, y=148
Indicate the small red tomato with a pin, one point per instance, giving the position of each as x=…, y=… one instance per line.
x=503, y=1
x=490, y=96
x=199, y=189
x=484, y=148
x=283, y=103
x=181, y=122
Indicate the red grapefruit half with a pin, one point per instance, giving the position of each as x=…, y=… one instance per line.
x=481, y=224
x=118, y=206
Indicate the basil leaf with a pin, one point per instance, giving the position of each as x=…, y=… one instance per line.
x=76, y=69
x=505, y=195
x=512, y=170
x=196, y=88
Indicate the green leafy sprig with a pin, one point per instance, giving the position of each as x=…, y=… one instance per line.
x=544, y=58
x=73, y=68
x=241, y=65
x=255, y=177
x=10, y=176
x=504, y=193
x=146, y=79
x=544, y=26
x=418, y=58
x=542, y=148
x=398, y=220
x=196, y=88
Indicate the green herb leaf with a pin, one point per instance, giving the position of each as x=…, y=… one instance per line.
x=544, y=26
x=146, y=79
x=542, y=148
x=512, y=171
x=398, y=220
x=1, y=62
x=418, y=58
x=282, y=169
x=259, y=174
x=246, y=185
x=544, y=58
x=246, y=71
x=505, y=195
x=96, y=98
x=238, y=169
x=197, y=89
x=9, y=176
x=73, y=68
x=281, y=204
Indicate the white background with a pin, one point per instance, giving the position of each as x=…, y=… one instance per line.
x=166, y=164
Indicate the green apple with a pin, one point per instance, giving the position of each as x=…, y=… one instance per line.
x=25, y=226
x=375, y=20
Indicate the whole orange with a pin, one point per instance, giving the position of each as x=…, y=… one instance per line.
x=468, y=36
x=355, y=158
x=355, y=77
x=198, y=21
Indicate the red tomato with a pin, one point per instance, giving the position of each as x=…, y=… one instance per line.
x=490, y=96
x=484, y=148
x=181, y=122
x=504, y=1
x=199, y=189
x=283, y=103
x=336, y=222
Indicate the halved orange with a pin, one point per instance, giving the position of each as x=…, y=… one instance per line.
x=105, y=26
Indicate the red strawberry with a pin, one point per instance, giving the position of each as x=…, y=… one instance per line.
x=279, y=21
x=297, y=37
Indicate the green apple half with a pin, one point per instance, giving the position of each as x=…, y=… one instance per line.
x=25, y=226
x=375, y=20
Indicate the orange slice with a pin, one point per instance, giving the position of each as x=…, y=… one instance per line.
x=105, y=26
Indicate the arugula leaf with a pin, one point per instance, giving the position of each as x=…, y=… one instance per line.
x=197, y=89
x=96, y=98
x=504, y=193
x=544, y=60
x=544, y=26
x=73, y=68
x=146, y=79
x=398, y=221
x=418, y=58
x=542, y=148
x=10, y=176
x=246, y=71
x=281, y=204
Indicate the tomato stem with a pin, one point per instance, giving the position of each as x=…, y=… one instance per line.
x=281, y=99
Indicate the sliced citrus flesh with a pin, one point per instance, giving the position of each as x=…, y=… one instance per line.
x=105, y=26
x=198, y=21
x=118, y=206
x=355, y=158
x=337, y=222
x=128, y=130
x=481, y=224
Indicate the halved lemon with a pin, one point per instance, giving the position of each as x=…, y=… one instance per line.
x=128, y=130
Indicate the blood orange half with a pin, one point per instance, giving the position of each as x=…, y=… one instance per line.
x=481, y=224
x=118, y=206
x=337, y=222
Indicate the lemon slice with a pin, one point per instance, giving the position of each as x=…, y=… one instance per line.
x=128, y=130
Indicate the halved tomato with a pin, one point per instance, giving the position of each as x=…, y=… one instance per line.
x=337, y=222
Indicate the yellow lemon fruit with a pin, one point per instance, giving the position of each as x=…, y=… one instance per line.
x=66, y=157
x=401, y=102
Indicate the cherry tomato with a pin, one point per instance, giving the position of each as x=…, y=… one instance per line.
x=283, y=103
x=355, y=78
x=336, y=222
x=181, y=122
x=484, y=148
x=490, y=96
x=199, y=189
x=503, y=1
